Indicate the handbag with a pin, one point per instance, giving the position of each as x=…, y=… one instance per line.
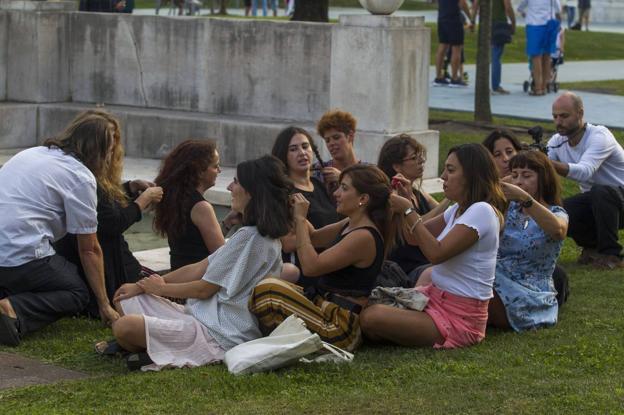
x=501, y=33
x=290, y=342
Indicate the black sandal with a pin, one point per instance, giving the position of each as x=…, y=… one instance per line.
x=110, y=348
x=135, y=361
x=9, y=334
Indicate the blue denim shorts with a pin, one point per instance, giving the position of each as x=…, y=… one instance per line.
x=542, y=40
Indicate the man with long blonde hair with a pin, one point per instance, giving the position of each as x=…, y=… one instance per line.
x=46, y=192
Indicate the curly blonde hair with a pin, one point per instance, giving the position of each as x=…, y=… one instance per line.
x=94, y=138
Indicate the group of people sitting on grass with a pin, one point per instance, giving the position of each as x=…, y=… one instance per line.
x=313, y=238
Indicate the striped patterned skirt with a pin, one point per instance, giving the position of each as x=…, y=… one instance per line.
x=273, y=300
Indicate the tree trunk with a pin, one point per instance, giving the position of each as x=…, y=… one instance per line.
x=311, y=10
x=223, y=7
x=483, y=110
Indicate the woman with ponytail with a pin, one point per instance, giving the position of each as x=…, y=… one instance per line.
x=346, y=270
x=184, y=216
x=461, y=243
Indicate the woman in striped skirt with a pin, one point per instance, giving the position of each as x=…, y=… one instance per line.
x=347, y=270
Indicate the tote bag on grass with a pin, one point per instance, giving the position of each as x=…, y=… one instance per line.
x=287, y=344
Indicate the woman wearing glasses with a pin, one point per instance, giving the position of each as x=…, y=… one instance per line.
x=403, y=159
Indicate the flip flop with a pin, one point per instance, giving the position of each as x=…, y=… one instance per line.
x=110, y=348
x=9, y=335
x=136, y=361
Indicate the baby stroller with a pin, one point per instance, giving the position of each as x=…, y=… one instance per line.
x=553, y=84
x=556, y=60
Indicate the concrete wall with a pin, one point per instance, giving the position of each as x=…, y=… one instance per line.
x=237, y=81
x=4, y=56
x=387, y=85
x=607, y=11
x=220, y=66
x=38, y=68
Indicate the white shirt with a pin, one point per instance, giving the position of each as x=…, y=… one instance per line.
x=539, y=12
x=237, y=267
x=597, y=159
x=44, y=194
x=470, y=273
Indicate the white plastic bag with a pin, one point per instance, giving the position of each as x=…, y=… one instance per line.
x=288, y=343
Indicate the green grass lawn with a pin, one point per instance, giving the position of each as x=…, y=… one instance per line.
x=579, y=46
x=576, y=367
x=611, y=87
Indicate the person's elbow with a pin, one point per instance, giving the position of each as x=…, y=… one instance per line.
x=205, y=290
x=311, y=269
x=560, y=233
x=88, y=245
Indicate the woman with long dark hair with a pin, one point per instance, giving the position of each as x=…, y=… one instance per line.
x=216, y=317
x=461, y=244
x=187, y=219
x=346, y=270
x=403, y=159
x=535, y=227
x=296, y=149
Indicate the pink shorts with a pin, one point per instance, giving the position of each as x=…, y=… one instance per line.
x=460, y=320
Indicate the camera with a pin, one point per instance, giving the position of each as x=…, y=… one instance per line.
x=537, y=134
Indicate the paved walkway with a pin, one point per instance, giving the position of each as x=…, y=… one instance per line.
x=18, y=371
x=599, y=108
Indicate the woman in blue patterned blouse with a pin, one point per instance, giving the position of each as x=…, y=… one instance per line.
x=535, y=227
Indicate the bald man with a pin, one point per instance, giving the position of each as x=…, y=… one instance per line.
x=590, y=155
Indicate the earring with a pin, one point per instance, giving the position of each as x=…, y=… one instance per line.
x=360, y=204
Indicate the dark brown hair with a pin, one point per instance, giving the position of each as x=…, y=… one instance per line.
x=394, y=151
x=548, y=186
x=338, y=120
x=179, y=178
x=481, y=175
x=280, y=147
x=370, y=180
x=269, y=186
x=496, y=135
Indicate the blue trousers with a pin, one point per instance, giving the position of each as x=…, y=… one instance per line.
x=254, y=7
x=497, y=67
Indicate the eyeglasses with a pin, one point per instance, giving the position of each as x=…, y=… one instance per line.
x=416, y=158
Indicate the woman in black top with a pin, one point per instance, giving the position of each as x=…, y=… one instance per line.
x=347, y=269
x=403, y=158
x=295, y=148
x=184, y=216
x=114, y=216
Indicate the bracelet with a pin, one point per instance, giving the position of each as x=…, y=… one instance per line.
x=413, y=227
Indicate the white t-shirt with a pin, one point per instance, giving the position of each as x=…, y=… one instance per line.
x=597, y=159
x=44, y=194
x=237, y=267
x=539, y=12
x=470, y=273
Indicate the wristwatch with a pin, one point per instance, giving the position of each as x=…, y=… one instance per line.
x=527, y=203
x=408, y=211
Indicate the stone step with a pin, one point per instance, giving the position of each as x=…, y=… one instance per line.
x=154, y=259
